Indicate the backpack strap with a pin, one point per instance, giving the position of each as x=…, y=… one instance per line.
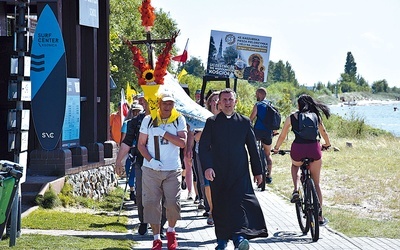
x=176, y=122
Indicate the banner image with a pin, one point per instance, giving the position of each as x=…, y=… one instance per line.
x=240, y=56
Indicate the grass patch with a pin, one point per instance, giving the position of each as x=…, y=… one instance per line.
x=37, y=241
x=52, y=219
x=352, y=225
x=80, y=214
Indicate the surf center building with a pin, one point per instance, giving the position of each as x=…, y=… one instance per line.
x=55, y=86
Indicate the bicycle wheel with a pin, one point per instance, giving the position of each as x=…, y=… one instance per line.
x=301, y=211
x=261, y=186
x=313, y=210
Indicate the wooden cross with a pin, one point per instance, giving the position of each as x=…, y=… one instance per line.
x=150, y=51
x=149, y=44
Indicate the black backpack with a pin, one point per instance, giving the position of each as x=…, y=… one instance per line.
x=272, y=119
x=308, y=125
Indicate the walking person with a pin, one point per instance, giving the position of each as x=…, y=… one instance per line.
x=302, y=148
x=212, y=106
x=131, y=137
x=134, y=111
x=262, y=133
x=161, y=177
x=225, y=143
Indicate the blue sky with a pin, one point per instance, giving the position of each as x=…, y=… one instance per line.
x=314, y=36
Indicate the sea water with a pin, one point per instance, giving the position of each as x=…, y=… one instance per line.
x=384, y=116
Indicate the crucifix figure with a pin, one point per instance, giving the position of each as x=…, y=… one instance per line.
x=150, y=46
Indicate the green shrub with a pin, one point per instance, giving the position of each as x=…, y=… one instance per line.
x=49, y=200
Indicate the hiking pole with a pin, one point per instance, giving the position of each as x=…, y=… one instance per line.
x=133, y=160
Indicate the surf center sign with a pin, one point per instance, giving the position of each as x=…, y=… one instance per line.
x=237, y=55
x=49, y=80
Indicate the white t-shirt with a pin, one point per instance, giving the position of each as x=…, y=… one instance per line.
x=169, y=153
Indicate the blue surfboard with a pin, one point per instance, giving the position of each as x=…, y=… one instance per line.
x=49, y=80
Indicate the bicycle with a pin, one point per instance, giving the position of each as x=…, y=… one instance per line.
x=308, y=206
x=264, y=172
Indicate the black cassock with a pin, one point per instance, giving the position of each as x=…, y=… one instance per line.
x=222, y=147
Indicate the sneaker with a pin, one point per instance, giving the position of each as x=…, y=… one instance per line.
x=183, y=184
x=244, y=245
x=196, y=200
x=206, y=214
x=157, y=245
x=321, y=219
x=132, y=196
x=172, y=242
x=268, y=180
x=295, y=197
x=210, y=221
x=222, y=244
x=142, y=228
x=201, y=204
x=190, y=196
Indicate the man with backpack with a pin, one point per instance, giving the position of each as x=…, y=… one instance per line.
x=160, y=140
x=129, y=144
x=265, y=127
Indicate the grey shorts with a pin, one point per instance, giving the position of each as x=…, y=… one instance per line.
x=155, y=185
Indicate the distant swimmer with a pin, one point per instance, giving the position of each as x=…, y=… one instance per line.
x=395, y=108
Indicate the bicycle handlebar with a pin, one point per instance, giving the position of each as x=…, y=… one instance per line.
x=323, y=148
x=282, y=151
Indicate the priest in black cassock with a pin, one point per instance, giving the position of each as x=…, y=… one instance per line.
x=237, y=213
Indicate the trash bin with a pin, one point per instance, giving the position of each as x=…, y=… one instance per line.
x=10, y=175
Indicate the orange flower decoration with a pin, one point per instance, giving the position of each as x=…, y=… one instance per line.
x=163, y=61
x=148, y=15
x=139, y=62
x=141, y=65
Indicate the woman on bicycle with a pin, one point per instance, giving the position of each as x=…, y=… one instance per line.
x=302, y=148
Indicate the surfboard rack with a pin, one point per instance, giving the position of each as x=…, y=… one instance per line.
x=208, y=78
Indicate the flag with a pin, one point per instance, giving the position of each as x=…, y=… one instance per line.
x=124, y=109
x=129, y=93
x=182, y=58
x=182, y=73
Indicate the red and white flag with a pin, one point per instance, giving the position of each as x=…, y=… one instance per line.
x=182, y=58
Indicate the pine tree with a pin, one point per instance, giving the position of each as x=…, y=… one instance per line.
x=350, y=67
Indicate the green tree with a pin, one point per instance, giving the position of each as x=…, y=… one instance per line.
x=125, y=23
x=380, y=86
x=291, y=75
x=271, y=68
x=194, y=66
x=350, y=67
x=362, y=84
x=280, y=73
x=348, y=87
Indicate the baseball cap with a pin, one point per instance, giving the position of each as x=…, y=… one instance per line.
x=140, y=95
x=136, y=106
x=167, y=97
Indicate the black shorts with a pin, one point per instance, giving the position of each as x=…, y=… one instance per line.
x=265, y=136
